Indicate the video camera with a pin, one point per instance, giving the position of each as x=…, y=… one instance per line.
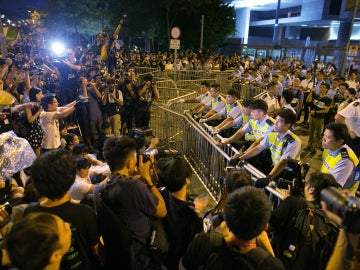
x=347, y=208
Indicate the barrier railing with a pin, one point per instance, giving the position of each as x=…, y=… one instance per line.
x=183, y=133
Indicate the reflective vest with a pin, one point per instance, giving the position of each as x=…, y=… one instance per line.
x=329, y=162
x=216, y=101
x=258, y=131
x=278, y=145
x=229, y=108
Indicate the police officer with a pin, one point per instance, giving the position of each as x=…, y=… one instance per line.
x=282, y=143
x=350, y=116
x=338, y=158
x=260, y=126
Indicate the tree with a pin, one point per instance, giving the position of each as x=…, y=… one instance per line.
x=149, y=18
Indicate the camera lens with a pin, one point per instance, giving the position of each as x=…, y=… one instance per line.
x=335, y=201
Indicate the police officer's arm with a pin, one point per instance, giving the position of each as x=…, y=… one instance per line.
x=254, y=144
x=237, y=135
x=278, y=168
x=209, y=114
x=227, y=123
x=212, y=117
x=252, y=152
x=144, y=170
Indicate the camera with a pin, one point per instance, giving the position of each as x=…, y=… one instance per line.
x=158, y=153
x=347, y=208
x=7, y=207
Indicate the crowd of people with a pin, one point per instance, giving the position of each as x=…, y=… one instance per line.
x=107, y=211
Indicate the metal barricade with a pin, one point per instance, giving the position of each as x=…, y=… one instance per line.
x=208, y=160
x=143, y=70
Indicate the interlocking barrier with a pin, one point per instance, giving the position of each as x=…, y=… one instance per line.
x=180, y=131
x=172, y=122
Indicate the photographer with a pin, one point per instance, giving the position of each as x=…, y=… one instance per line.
x=183, y=220
x=145, y=95
x=67, y=70
x=344, y=211
x=283, y=220
x=133, y=202
x=112, y=99
x=128, y=88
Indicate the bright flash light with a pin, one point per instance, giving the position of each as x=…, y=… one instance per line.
x=58, y=48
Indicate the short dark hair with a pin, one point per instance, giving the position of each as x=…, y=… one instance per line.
x=288, y=96
x=82, y=163
x=247, y=211
x=326, y=85
x=46, y=100
x=22, y=244
x=173, y=173
x=80, y=149
x=352, y=91
x=117, y=150
x=233, y=93
x=271, y=85
x=340, y=131
x=259, y=104
x=247, y=102
x=216, y=87
x=54, y=173
x=105, y=125
x=69, y=138
x=33, y=92
x=288, y=115
x=205, y=83
x=237, y=180
x=319, y=181
x=344, y=84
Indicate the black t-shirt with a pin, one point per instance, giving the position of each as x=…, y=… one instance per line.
x=318, y=104
x=181, y=225
x=84, y=235
x=201, y=249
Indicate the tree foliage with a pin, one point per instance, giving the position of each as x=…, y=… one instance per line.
x=149, y=18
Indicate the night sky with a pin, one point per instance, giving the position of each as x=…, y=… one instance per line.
x=15, y=8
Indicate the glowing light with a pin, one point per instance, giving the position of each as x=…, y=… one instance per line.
x=58, y=48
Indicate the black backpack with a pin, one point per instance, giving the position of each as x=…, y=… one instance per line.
x=312, y=237
x=223, y=257
x=133, y=252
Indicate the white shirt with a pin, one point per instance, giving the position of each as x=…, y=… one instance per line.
x=80, y=188
x=351, y=113
x=50, y=127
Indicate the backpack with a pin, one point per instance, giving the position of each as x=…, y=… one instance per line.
x=224, y=258
x=312, y=237
x=134, y=252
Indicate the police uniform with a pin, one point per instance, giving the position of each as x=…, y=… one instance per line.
x=217, y=103
x=341, y=164
x=261, y=130
x=284, y=147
